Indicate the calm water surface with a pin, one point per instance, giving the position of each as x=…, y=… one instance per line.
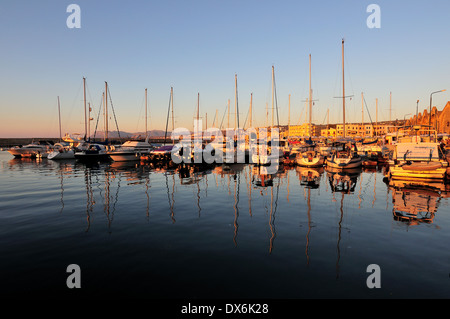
x=138, y=231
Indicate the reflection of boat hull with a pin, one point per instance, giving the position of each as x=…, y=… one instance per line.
x=124, y=156
x=309, y=176
x=92, y=157
x=369, y=163
x=350, y=172
x=265, y=159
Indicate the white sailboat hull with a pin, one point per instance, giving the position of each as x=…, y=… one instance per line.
x=309, y=161
x=56, y=155
x=345, y=162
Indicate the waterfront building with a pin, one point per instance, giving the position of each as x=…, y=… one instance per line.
x=303, y=130
x=440, y=120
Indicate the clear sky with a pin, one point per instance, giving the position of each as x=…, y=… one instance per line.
x=197, y=46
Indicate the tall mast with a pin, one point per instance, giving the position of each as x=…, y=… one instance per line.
x=236, y=107
x=343, y=86
x=198, y=106
x=362, y=114
x=171, y=102
x=251, y=102
x=273, y=76
x=289, y=117
x=104, y=137
x=228, y=122
x=146, y=129
x=390, y=106
x=59, y=115
x=310, y=97
x=328, y=120
x=376, y=117
x=85, y=111
x=89, y=121
x=106, y=110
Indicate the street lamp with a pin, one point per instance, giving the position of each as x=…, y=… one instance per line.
x=429, y=121
x=417, y=110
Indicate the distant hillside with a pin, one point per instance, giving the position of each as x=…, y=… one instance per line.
x=115, y=134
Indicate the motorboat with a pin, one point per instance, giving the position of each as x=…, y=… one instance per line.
x=94, y=152
x=371, y=160
x=61, y=151
x=160, y=154
x=130, y=151
x=418, y=161
x=32, y=150
x=417, y=157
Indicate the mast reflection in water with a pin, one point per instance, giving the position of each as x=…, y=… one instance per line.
x=229, y=231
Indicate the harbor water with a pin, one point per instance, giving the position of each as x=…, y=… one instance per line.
x=138, y=231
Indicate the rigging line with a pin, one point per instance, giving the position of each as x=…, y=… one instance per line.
x=371, y=122
x=114, y=113
x=140, y=113
x=276, y=99
x=223, y=117
x=98, y=117
x=245, y=122
x=89, y=93
x=167, y=120
x=324, y=118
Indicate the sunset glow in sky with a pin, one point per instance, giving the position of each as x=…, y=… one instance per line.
x=198, y=46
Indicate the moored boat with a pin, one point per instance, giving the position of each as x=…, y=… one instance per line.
x=61, y=151
x=32, y=150
x=344, y=158
x=417, y=157
x=310, y=157
x=93, y=153
x=130, y=151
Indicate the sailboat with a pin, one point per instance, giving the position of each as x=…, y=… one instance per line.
x=269, y=152
x=164, y=154
x=347, y=156
x=61, y=150
x=96, y=152
x=310, y=156
x=132, y=150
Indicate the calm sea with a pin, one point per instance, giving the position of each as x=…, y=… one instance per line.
x=224, y=232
